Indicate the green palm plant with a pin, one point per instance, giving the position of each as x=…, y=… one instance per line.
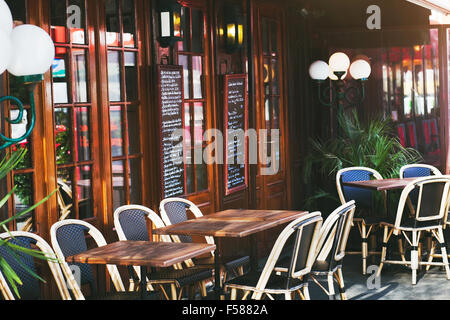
x=372, y=145
x=8, y=163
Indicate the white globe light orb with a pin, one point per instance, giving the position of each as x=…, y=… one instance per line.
x=334, y=77
x=6, y=51
x=360, y=69
x=339, y=62
x=319, y=70
x=34, y=51
x=6, y=20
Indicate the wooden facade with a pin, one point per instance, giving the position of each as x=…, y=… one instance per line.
x=98, y=124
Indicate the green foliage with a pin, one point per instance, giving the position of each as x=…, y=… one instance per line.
x=372, y=145
x=8, y=163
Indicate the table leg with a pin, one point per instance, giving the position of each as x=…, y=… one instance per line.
x=218, y=290
x=253, y=252
x=143, y=284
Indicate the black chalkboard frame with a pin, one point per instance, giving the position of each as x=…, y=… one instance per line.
x=227, y=78
x=160, y=68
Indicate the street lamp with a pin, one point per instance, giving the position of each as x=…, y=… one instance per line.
x=27, y=53
x=337, y=70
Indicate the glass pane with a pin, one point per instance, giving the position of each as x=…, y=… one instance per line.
x=202, y=177
x=58, y=21
x=23, y=198
x=63, y=136
x=115, y=115
x=128, y=23
x=76, y=21
x=84, y=191
x=134, y=144
x=274, y=38
x=118, y=170
x=197, y=71
x=64, y=195
x=114, y=76
x=198, y=123
x=82, y=124
x=190, y=186
x=60, y=77
x=197, y=30
x=407, y=83
x=419, y=81
x=276, y=114
x=187, y=124
x=112, y=23
x=131, y=76
x=184, y=61
x=135, y=181
x=275, y=78
x=17, y=131
x=79, y=76
x=265, y=35
x=185, y=20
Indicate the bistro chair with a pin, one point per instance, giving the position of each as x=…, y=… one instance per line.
x=130, y=223
x=432, y=204
x=418, y=170
x=68, y=238
x=30, y=288
x=365, y=222
x=287, y=267
x=174, y=210
x=330, y=251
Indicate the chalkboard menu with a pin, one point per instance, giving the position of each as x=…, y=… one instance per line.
x=235, y=128
x=170, y=103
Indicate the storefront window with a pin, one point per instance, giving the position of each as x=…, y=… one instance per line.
x=411, y=89
x=72, y=108
x=191, y=57
x=124, y=105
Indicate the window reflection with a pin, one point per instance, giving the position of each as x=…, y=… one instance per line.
x=114, y=76
x=115, y=115
x=131, y=76
x=79, y=75
x=23, y=198
x=63, y=138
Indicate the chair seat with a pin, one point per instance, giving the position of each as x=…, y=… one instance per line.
x=181, y=277
x=231, y=264
x=276, y=283
x=411, y=223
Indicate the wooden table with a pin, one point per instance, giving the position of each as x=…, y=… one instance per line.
x=382, y=184
x=142, y=253
x=232, y=224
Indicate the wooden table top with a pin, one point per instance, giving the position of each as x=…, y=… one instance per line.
x=142, y=253
x=381, y=185
x=232, y=223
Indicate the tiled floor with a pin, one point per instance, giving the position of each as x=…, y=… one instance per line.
x=394, y=283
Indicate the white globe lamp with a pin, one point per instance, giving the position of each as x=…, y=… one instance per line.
x=360, y=70
x=319, y=70
x=339, y=62
x=33, y=49
x=6, y=20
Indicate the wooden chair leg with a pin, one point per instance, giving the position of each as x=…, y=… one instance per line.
x=306, y=292
x=288, y=296
x=364, y=248
x=383, y=250
x=233, y=294
x=340, y=280
x=414, y=257
x=173, y=292
x=203, y=289
x=430, y=257
x=331, y=291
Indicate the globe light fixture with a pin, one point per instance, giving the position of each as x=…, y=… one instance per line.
x=338, y=93
x=319, y=70
x=27, y=53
